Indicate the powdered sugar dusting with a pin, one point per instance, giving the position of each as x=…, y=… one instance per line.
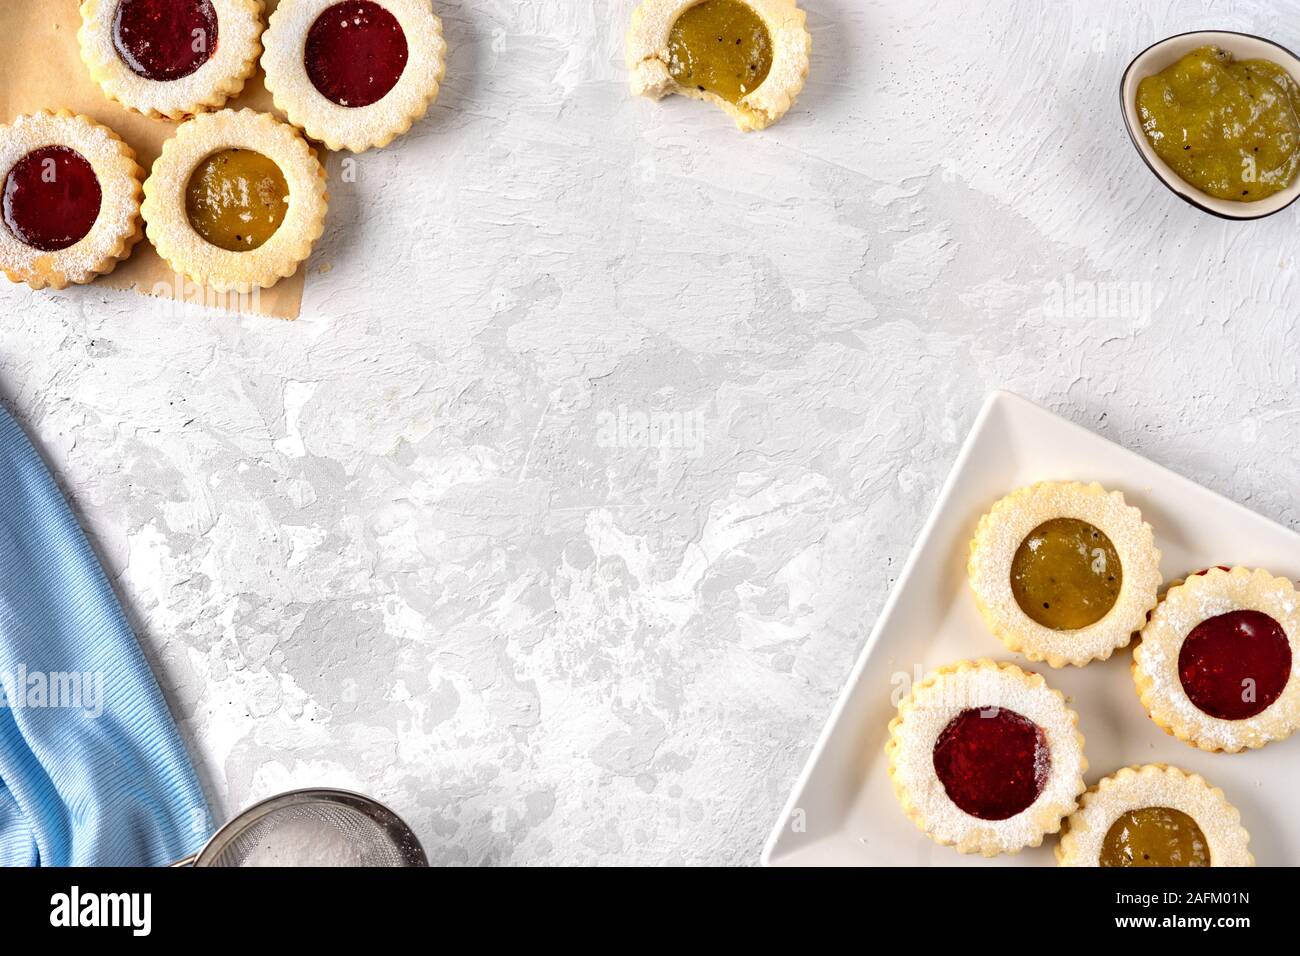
x=304, y=842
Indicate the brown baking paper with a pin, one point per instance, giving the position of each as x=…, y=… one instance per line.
x=41, y=68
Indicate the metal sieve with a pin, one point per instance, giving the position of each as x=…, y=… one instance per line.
x=343, y=829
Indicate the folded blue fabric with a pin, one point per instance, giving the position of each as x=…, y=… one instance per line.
x=92, y=769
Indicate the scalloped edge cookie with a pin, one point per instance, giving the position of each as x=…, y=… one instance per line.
x=1154, y=785
x=116, y=229
x=647, y=59
x=1155, y=658
x=928, y=709
x=1007, y=524
x=167, y=222
x=239, y=28
x=344, y=127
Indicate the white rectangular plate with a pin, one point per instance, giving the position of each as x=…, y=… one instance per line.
x=843, y=811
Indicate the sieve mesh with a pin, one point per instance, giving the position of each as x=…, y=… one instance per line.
x=315, y=828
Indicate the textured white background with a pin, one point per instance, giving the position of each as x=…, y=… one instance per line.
x=389, y=546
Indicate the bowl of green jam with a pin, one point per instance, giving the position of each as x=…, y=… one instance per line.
x=1215, y=115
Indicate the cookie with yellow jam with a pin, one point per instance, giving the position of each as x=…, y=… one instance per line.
x=1064, y=572
x=1154, y=815
x=235, y=201
x=749, y=57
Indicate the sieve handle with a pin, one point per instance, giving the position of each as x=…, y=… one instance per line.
x=187, y=861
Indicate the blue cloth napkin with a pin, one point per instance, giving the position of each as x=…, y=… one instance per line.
x=92, y=769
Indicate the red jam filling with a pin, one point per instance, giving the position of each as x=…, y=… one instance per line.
x=51, y=198
x=992, y=762
x=355, y=53
x=164, y=39
x=1234, y=665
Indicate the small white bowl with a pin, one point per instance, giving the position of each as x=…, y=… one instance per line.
x=1243, y=46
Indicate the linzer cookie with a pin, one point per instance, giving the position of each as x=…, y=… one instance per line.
x=71, y=199
x=1216, y=666
x=354, y=74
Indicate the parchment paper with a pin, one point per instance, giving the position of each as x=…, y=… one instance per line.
x=41, y=68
